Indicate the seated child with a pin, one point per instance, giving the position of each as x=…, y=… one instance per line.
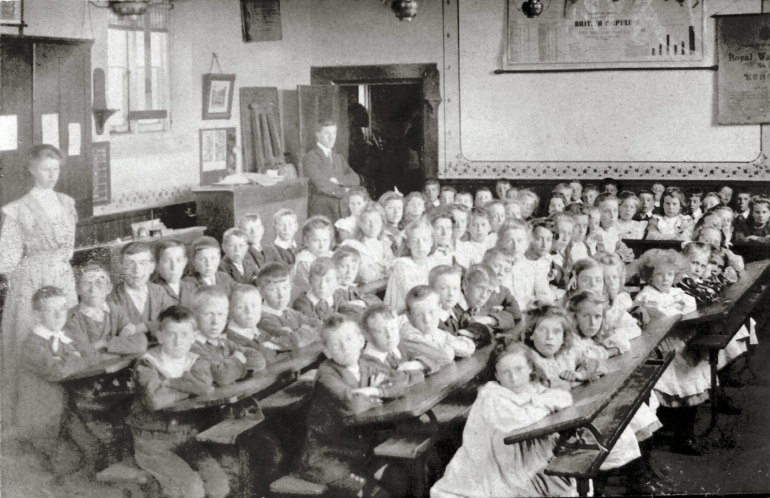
x=164, y=443
x=529, y=202
x=496, y=210
x=725, y=194
x=492, y=309
x=383, y=352
x=287, y=329
x=723, y=261
x=685, y=383
x=446, y=280
x=608, y=231
x=172, y=262
x=563, y=226
x=590, y=193
x=742, y=206
x=529, y=280
x=657, y=190
x=374, y=249
x=672, y=224
x=235, y=244
x=465, y=198
x=482, y=197
x=628, y=227
x=710, y=201
x=447, y=195
x=726, y=215
x=413, y=269
x=610, y=186
x=333, y=454
x=578, y=247
x=48, y=355
x=512, y=194
x=539, y=252
x=758, y=229
x=324, y=298
x=431, y=191
x=252, y=225
x=565, y=191
x=501, y=187
x=512, y=209
x=206, y=258
x=647, y=207
x=577, y=192
x=245, y=315
x=317, y=240
x=459, y=223
x=694, y=199
x=136, y=295
x=471, y=251
x=357, y=199
x=556, y=204
x=618, y=314
x=393, y=204
x=103, y=324
x=502, y=299
x=486, y=466
x=348, y=262
x=422, y=335
x=443, y=237
x=414, y=207
x=284, y=248
x=228, y=361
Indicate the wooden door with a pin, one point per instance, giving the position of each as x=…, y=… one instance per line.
x=317, y=102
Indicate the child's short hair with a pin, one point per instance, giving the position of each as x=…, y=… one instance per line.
x=431, y=181
x=242, y=290
x=526, y=193
x=415, y=225
x=560, y=186
x=44, y=293
x=345, y=252
x=541, y=313
x=591, y=188
x=416, y=294
x=464, y=192
x=489, y=205
x=517, y=348
x=609, y=181
x=715, y=196
x=563, y=217
x=656, y=258
x=483, y=189
x=177, y=314
x=333, y=323
x=91, y=266
x=460, y=207
x=378, y=309
x=206, y=293
x=500, y=181
x=695, y=246
x=674, y=193
x=559, y=195
x=272, y=273
x=161, y=247
x=249, y=218
x=441, y=212
x=391, y=195
x=630, y=197
x=480, y=273
x=235, y=232
x=479, y=213
x=694, y=192
x=284, y=212
x=657, y=183
x=415, y=195
x=448, y=188
x=317, y=222
x=545, y=223
x=645, y=192
x=204, y=242
x=320, y=267
x=135, y=248
x=439, y=271
x=514, y=224
x=760, y=199
x=491, y=254
x=604, y=197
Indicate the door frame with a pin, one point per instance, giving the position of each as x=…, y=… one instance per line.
x=427, y=75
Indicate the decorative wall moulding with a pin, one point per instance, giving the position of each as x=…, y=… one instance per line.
x=462, y=168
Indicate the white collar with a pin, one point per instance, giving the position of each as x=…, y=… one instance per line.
x=48, y=334
x=43, y=193
x=256, y=247
x=285, y=245
x=171, y=368
x=92, y=313
x=326, y=150
x=355, y=370
x=370, y=350
x=143, y=291
x=266, y=308
x=216, y=341
x=745, y=214
x=249, y=333
x=444, y=314
x=314, y=300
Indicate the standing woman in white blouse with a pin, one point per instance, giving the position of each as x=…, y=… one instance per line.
x=37, y=240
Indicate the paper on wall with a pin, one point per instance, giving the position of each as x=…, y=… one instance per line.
x=73, y=131
x=213, y=150
x=50, y=124
x=9, y=133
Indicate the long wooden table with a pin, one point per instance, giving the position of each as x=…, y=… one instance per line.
x=590, y=399
x=421, y=398
x=284, y=370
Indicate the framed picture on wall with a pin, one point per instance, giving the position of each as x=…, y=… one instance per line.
x=218, y=95
x=10, y=12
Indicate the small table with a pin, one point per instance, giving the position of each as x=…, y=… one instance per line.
x=421, y=398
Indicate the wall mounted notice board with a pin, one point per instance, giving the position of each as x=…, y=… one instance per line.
x=217, y=154
x=100, y=158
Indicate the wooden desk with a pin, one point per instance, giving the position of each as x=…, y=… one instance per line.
x=640, y=246
x=220, y=208
x=590, y=399
x=108, y=366
x=420, y=398
x=284, y=370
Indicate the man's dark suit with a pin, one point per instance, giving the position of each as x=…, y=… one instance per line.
x=324, y=195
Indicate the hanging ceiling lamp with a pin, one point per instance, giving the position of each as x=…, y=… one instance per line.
x=129, y=9
x=532, y=8
x=405, y=10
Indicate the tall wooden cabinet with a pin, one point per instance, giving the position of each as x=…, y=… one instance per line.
x=47, y=80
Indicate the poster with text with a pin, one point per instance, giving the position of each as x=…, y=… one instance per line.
x=743, y=44
x=605, y=33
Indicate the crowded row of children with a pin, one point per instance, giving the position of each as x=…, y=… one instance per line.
x=454, y=272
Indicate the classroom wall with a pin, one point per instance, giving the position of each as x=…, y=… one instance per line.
x=159, y=168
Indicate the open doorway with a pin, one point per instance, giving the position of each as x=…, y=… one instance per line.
x=392, y=121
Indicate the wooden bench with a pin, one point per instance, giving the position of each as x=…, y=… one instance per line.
x=291, y=486
x=412, y=450
x=131, y=479
x=583, y=460
x=288, y=398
